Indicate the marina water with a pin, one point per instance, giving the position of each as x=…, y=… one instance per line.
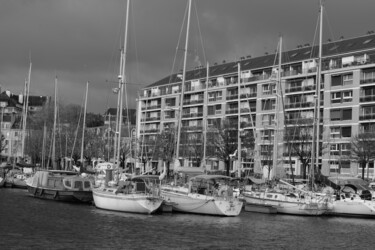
x=30, y=223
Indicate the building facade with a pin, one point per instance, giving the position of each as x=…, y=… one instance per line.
x=245, y=92
x=11, y=122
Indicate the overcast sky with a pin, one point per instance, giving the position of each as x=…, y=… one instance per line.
x=79, y=40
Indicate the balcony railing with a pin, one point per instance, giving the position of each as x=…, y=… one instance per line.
x=192, y=128
x=367, y=81
x=249, y=95
x=231, y=111
x=300, y=88
x=189, y=115
x=214, y=99
x=368, y=98
x=367, y=117
x=299, y=105
x=232, y=97
x=187, y=102
x=152, y=119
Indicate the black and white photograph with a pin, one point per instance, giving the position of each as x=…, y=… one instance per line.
x=187, y=124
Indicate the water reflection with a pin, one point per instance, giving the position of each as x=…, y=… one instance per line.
x=30, y=223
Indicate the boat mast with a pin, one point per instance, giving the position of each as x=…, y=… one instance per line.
x=183, y=84
x=239, y=120
x=316, y=122
x=25, y=111
x=205, y=114
x=54, y=129
x=276, y=131
x=123, y=81
x=84, y=125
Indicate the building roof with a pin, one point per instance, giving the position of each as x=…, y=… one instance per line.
x=306, y=52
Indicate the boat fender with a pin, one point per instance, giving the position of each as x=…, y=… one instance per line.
x=35, y=191
x=108, y=166
x=56, y=194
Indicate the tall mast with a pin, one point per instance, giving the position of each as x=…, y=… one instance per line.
x=205, y=114
x=54, y=128
x=318, y=82
x=183, y=83
x=316, y=122
x=239, y=120
x=277, y=104
x=118, y=108
x=25, y=111
x=84, y=124
x=123, y=81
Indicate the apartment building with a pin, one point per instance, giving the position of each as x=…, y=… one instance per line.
x=11, y=121
x=245, y=92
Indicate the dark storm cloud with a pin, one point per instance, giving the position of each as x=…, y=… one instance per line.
x=79, y=40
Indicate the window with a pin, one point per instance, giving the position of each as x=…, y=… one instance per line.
x=340, y=97
x=341, y=114
x=341, y=132
x=335, y=132
x=347, y=96
x=346, y=131
x=347, y=79
x=268, y=104
x=268, y=119
x=336, y=81
x=336, y=97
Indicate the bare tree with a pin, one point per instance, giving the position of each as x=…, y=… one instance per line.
x=299, y=142
x=363, y=149
x=222, y=141
x=166, y=146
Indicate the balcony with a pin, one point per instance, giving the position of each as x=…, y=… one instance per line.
x=291, y=73
x=190, y=115
x=249, y=95
x=231, y=111
x=214, y=99
x=367, y=81
x=367, y=117
x=189, y=102
x=152, y=119
x=257, y=78
x=368, y=98
x=300, y=88
x=232, y=97
x=195, y=88
x=299, y=105
x=248, y=110
x=152, y=107
x=192, y=128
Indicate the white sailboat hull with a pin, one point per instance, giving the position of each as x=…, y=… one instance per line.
x=287, y=205
x=202, y=204
x=131, y=203
x=355, y=208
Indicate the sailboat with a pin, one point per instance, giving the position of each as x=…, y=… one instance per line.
x=137, y=194
x=17, y=176
x=60, y=185
x=291, y=200
x=203, y=194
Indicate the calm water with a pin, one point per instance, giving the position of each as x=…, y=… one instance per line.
x=30, y=223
